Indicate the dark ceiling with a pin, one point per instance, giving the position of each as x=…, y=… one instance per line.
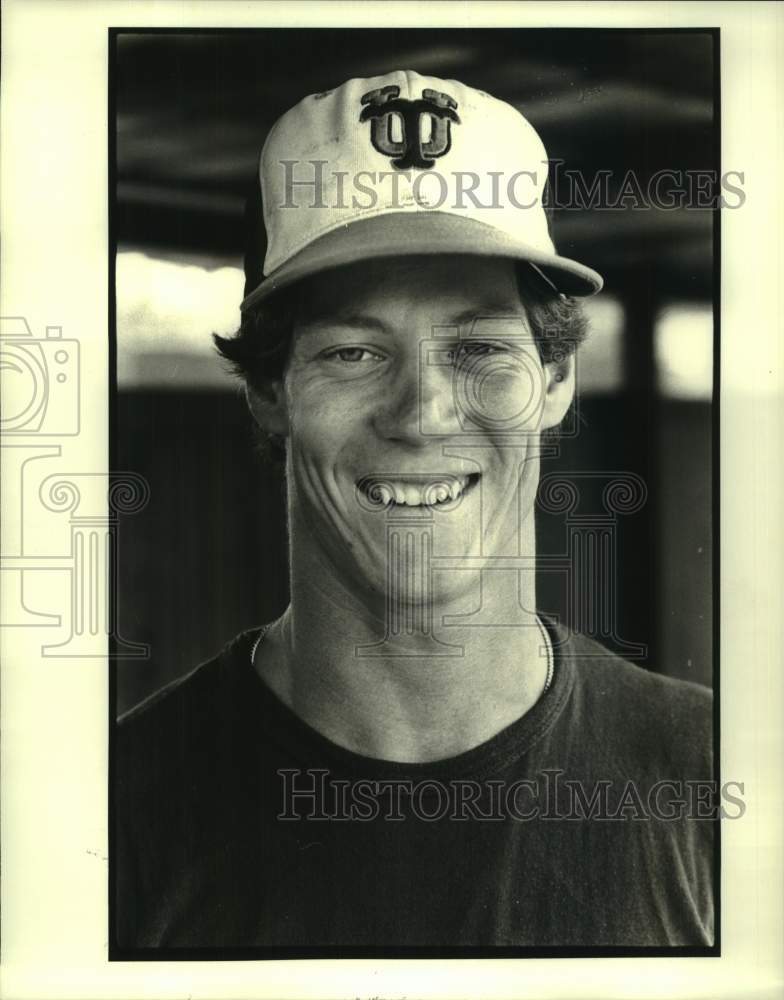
x=193, y=111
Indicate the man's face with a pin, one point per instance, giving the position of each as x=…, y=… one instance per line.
x=414, y=396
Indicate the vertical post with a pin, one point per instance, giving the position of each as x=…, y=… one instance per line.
x=94, y=566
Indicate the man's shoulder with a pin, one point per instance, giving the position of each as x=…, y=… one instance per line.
x=198, y=706
x=609, y=673
x=626, y=704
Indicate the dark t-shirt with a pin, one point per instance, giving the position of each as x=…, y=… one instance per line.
x=238, y=824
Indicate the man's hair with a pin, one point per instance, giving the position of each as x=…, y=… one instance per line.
x=259, y=351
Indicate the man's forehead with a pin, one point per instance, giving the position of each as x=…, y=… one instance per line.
x=456, y=290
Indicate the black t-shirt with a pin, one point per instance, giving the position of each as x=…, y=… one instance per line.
x=239, y=825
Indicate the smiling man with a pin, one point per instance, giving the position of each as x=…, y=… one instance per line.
x=373, y=436
x=412, y=755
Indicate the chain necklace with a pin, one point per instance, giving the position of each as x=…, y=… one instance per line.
x=255, y=646
x=548, y=645
x=545, y=637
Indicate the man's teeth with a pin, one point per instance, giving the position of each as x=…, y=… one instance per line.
x=412, y=495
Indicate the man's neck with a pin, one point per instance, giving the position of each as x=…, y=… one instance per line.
x=411, y=699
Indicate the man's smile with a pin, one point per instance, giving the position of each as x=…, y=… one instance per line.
x=418, y=489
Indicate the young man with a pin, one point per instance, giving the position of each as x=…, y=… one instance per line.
x=411, y=755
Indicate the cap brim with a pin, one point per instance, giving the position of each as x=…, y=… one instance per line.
x=401, y=234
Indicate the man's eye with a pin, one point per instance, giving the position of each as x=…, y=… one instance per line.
x=471, y=349
x=351, y=355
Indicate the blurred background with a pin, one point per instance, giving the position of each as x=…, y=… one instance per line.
x=206, y=558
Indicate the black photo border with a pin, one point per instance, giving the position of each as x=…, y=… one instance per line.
x=274, y=952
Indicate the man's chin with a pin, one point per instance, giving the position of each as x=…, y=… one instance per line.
x=417, y=586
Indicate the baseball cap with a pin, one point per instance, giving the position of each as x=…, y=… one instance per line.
x=397, y=165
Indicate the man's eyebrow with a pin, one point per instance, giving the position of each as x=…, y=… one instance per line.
x=357, y=321
x=487, y=311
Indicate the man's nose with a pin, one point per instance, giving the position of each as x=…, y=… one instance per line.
x=419, y=403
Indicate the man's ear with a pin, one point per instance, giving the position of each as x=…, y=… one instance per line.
x=267, y=403
x=559, y=391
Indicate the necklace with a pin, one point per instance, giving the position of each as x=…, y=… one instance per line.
x=255, y=646
x=550, y=657
x=545, y=637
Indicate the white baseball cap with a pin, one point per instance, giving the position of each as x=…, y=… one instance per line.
x=404, y=164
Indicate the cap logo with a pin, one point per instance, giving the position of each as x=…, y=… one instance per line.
x=383, y=107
